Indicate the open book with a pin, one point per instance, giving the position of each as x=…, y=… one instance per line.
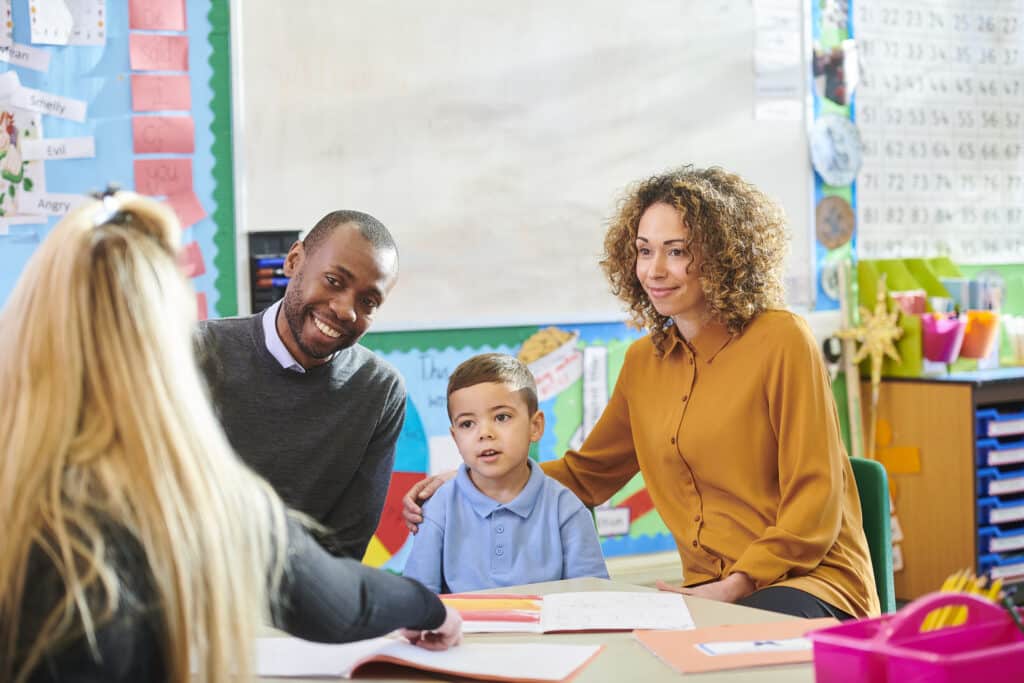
x=532, y=663
x=582, y=611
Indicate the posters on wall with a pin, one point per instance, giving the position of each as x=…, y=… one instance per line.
x=943, y=130
x=576, y=367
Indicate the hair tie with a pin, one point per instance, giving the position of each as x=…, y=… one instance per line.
x=110, y=212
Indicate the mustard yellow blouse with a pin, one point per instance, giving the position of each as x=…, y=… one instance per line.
x=738, y=441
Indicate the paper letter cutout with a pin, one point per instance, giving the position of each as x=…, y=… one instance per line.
x=163, y=134
x=163, y=177
x=157, y=53
x=188, y=208
x=161, y=93
x=156, y=15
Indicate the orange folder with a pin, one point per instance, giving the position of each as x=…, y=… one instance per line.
x=681, y=651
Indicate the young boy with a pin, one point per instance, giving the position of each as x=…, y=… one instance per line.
x=501, y=521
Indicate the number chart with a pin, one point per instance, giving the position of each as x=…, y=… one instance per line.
x=940, y=108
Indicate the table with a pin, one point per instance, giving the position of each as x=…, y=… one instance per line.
x=623, y=659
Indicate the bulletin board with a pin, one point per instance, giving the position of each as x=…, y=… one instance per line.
x=494, y=138
x=150, y=94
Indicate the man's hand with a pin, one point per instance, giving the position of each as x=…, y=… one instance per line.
x=448, y=634
x=421, y=491
x=729, y=589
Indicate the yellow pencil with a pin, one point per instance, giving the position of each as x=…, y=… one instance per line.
x=933, y=617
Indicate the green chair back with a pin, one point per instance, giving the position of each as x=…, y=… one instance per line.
x=873, y=487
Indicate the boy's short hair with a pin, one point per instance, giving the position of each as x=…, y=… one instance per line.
x=496, y=367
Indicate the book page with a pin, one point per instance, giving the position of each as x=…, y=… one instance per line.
x=614, y=611
x=293, y=657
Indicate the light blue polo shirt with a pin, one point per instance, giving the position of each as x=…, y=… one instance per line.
x=468, y=541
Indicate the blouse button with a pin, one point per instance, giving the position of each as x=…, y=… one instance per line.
x=697, y=518
x=695, y=544
x=685, y=396
x=673, y=439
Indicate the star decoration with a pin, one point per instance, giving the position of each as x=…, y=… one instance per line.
x=876, y=334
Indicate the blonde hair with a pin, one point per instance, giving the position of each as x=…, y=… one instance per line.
x=105, y=421
x=738, y=232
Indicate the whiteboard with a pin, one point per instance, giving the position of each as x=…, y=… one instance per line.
x=494, y=139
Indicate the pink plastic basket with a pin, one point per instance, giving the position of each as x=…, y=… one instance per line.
x=987, y=648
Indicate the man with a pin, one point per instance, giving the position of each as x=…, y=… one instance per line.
x=302, y=403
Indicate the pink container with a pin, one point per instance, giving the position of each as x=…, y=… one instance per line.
x=987, y=648
x=943, y=336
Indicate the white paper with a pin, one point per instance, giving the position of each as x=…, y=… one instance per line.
x=778, y=68
x=51, y=22
x=48, y=103
x=59, y=148
x=613, y=610
x=47, y=203
x=18, y=175
x=746, y=647
x=595, y=385
x=9, y=82
x=541, y=661
x=28, y=57
x=611, y=521
x=89, y=22
x=7, y=29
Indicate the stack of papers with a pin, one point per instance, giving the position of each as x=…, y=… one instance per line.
x=532, y=663
x=582, y=611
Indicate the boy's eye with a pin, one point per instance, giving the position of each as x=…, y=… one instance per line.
x=503, y=417
x=464, y=424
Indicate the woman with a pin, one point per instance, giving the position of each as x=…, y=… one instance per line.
x=725, y=406
x=136, y=546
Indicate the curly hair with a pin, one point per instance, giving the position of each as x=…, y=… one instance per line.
x=737, y=231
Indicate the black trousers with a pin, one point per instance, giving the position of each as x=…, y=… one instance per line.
x=791, y=601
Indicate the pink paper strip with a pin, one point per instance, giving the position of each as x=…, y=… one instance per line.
x=201, y=310
x=157, y=53
x=163, y=134
x=163, y=177
x=161, y=93
x=156, y=15
x=188, y=208
x=191, y=260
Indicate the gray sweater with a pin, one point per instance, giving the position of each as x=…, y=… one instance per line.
x=325, y=440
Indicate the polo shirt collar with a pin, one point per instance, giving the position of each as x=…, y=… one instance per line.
x=712, y=339
x=482, y=505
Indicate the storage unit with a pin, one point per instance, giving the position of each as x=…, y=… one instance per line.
x=965, y=508
x=267, y=280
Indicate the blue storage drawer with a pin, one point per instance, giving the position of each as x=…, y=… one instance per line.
x=992, y=423
x=992, y=510
x=992, y=453
x=993, y=481
x=994, y=540
x=1006, y=567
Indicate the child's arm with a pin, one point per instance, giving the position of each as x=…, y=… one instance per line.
x=424, y=563
x=581, y=549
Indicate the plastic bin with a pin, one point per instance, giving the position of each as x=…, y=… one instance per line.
x=993, y=510
x=992, y=453
x=986, y=648
x=992, y=423
x=980, y=334
x=993, y=481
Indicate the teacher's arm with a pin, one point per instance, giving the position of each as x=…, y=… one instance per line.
x=802, y=412
x=607, y=459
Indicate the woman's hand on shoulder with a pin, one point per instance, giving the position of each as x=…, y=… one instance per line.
x=730, y=589
x=422, y=490
x=448, y=634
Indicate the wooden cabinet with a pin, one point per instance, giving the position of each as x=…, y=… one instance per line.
x=938, y=506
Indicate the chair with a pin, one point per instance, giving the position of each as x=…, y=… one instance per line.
x=873, y=488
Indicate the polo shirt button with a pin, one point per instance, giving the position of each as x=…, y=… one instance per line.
x=499, y=529
x=695, y=544
x=499, y=552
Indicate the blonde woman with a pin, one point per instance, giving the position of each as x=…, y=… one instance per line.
x=135, y=545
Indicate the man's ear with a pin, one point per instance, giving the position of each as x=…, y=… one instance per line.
x=293, y=261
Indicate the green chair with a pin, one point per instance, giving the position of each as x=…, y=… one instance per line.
x=873, y=488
